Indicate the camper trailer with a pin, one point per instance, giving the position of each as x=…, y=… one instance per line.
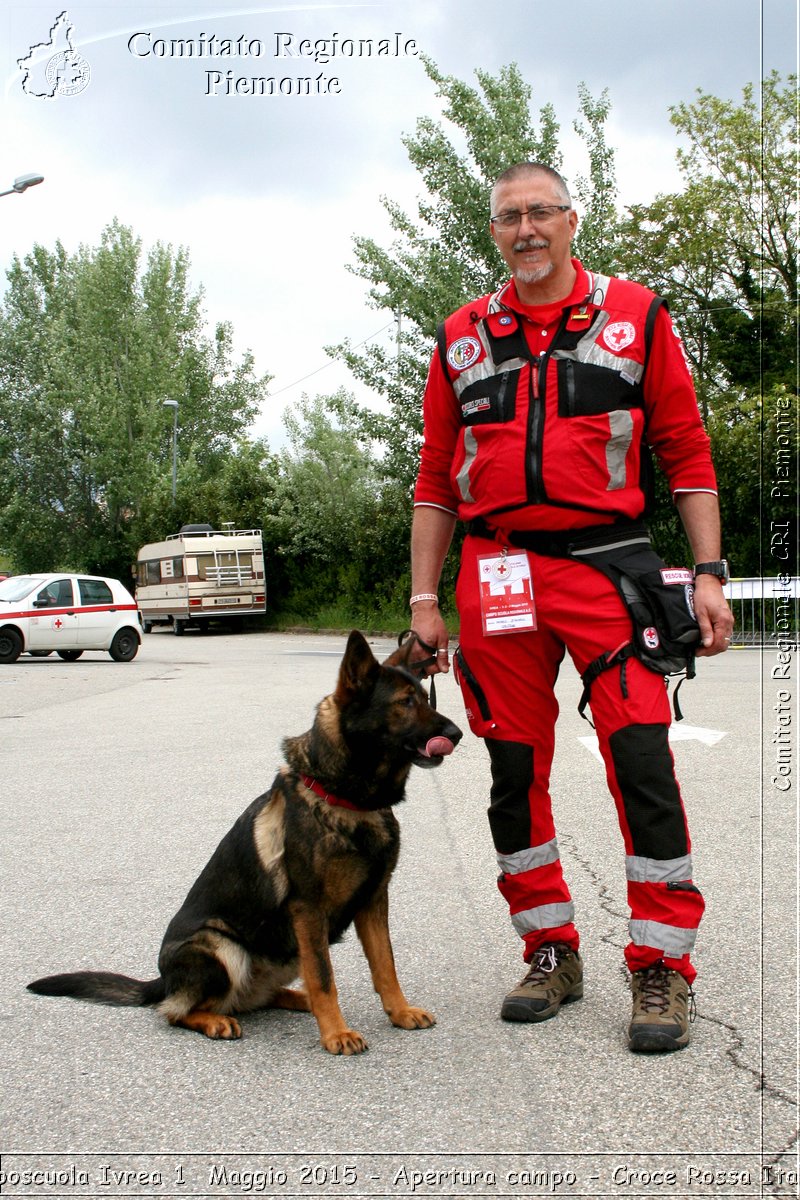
x=199, y=575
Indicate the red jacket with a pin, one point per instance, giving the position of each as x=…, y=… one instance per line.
x=539, y=417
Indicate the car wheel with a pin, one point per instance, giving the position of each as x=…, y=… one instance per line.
x=178, y=627
x=10, y=645
x=147, y=626
x=69, y=655
x=39, y=653
x=125, y=645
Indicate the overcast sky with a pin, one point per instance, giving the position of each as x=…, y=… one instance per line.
x=266, y=192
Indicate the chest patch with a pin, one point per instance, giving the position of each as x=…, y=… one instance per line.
x=482, y=404
x=463, y=353
x=618, y=335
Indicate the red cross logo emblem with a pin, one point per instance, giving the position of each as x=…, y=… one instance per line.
x=619, y=334
x=57, y=623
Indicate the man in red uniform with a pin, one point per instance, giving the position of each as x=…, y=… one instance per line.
x=541, y=403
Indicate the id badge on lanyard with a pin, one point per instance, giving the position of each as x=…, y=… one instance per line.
x=506, y=593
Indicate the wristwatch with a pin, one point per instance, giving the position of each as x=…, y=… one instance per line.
x=719, y=568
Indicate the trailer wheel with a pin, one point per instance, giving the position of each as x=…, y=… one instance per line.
x=147, y=626
x=10, y=645
x=178, y=627
x=69, y=655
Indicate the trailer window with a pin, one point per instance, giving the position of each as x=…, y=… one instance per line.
x=204, y=561
x=226, y=566
x=172, y=568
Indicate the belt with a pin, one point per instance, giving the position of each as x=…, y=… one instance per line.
x=559, y=543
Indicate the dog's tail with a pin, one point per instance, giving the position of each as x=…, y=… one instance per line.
x=102, y=987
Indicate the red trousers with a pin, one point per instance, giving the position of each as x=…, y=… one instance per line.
x=507, y=682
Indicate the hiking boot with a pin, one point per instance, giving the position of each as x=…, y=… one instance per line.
x=555, y=977
x=663, y=1006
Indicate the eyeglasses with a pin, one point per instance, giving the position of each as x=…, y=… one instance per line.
x=539, y=214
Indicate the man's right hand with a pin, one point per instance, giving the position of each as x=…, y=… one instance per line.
x=428, y=625
x=431, y=534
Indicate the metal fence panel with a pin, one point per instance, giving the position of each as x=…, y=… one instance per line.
x=766, y=610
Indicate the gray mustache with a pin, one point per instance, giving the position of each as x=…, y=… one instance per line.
x=530, y=244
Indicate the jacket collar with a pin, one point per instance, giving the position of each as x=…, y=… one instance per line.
x=582, y=293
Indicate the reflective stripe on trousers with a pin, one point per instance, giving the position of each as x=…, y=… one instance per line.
x=673, y=941
x=546, y=916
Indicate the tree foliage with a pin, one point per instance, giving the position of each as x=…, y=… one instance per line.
x=91, y=344
x=328, y=481
x=334, y=523
x=723, y=252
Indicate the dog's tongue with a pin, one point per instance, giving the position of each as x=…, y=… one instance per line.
x=439, y=746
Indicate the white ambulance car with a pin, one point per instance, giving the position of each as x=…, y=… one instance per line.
x=68, y=614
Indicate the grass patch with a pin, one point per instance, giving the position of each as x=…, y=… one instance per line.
x=342, y=616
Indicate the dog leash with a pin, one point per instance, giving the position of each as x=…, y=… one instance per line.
x=421, y=665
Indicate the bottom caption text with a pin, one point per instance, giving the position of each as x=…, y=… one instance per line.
x=387, y=1175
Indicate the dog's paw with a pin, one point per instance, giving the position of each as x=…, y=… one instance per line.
x=412, y=1018
x=345, y=1041
x=227, y=1028
x=213, y=1025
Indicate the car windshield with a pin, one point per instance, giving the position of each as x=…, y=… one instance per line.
x=18, y=586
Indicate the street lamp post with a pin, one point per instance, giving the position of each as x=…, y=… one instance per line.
x=173, y=404
x=22, y=183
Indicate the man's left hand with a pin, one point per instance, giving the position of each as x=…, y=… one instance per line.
x=713, y=616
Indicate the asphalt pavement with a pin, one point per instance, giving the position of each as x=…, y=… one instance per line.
x=118, y=780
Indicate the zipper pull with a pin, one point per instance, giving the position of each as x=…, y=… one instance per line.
x=535, y=377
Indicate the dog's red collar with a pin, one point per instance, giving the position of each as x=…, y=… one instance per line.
x=319, y=790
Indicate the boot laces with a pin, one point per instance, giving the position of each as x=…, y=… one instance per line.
x=543, y=963
x=655, y=991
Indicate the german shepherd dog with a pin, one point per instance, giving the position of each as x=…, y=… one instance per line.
x=308, y=858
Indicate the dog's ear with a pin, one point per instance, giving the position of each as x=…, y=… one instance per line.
x=358, y=671
x=410, y=655
x=401, y=657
